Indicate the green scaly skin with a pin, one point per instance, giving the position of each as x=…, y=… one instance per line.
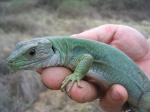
x=94, y=59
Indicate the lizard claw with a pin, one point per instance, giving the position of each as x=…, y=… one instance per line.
x=71, y=85
x=73, y=78
x=78, y=84
x=64, y=83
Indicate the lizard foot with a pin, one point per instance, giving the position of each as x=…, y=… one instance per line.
x=73, y=78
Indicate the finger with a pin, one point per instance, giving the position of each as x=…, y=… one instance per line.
x=114, y=99
x=145, y=62
x=52, y=77
x=85, y=93
x=104, y=33
x=131, y=42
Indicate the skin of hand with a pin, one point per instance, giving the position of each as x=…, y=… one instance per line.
x=125, y=38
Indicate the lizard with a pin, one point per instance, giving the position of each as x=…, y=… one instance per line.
x=84, y=57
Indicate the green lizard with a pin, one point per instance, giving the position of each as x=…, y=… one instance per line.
x=85, y=58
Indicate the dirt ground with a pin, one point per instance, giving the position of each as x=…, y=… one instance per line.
x=36, y=23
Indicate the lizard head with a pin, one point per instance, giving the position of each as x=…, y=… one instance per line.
x=31, y=54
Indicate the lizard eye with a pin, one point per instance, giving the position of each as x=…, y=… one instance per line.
x=32, y=52
x=53, y=49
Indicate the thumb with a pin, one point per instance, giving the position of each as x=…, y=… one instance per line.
x=114, y=99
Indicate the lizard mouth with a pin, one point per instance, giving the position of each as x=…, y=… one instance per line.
x=29, y=64
x=36, y=64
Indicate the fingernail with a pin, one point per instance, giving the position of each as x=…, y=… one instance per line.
x=115, y=95
x=74, y=35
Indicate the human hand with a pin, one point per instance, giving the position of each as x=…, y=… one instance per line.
x=122, y=37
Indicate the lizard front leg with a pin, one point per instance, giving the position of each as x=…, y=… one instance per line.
x=82, y=65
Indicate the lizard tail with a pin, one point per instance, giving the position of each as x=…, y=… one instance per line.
x=145, y=102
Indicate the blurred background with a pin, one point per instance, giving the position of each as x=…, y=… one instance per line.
x=24, y=19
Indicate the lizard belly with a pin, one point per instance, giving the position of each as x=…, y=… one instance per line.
x=105, y=80
x=98, y=79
